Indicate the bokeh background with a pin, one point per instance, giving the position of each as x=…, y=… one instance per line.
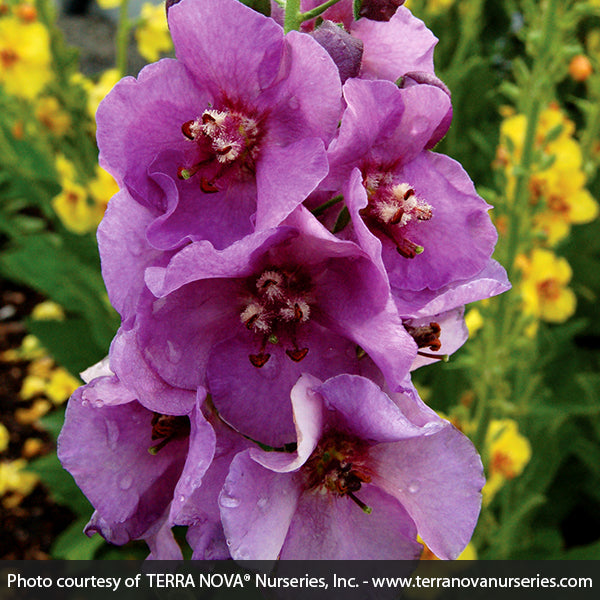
x=525, y=82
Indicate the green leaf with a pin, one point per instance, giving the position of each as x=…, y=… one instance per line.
x=356, y=6
x=73, y=544
x=61, y=485
x=261, y=6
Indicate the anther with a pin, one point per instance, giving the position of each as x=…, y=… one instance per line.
x=259, y=360
x=366, y=509
x=208, y=187
x=297, y=354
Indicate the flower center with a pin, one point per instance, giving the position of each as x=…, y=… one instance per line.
x=278, y=303
x=337, y=466
x=427, y=336
x=167, y=428
x=225, y=137
x=391, y=208
x=8, y=57
x=549, y=290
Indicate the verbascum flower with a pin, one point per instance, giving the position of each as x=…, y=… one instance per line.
x=364, y=481
x=509, y=452
x=544, y=286
x=152, y=466
x=50, y=114
x=74, y=209
x=24, y=57
x=557, y=191
x=233, y=131
x=257, y=315
x=101, y=189
x=393, y=41
x=152, y=34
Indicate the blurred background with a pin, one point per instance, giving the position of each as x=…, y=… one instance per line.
x=525, y=82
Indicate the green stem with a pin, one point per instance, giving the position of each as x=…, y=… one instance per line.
x=292, y=20
x=315, y=12
x=123, y=31
x=323, y=207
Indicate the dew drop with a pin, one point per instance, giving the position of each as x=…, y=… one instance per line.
x=126, y=482
x=294, y=103
x=262, y=502
x=229, y=501
x=413, y=487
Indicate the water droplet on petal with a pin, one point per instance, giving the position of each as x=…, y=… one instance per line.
x=229, y=501
x=126, y=482
x=294, y=103
x=175, y=354
x=413, y=487
x=262, y=502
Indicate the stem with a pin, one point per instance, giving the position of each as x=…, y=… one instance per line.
x=123, y=30
x=292, y=19
x=315, y=12
x=323, y=207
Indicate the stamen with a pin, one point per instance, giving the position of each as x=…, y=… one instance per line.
x=297, y=354
x=442, y=357
x=208, y=187
x=259, y=360
x=366, y=509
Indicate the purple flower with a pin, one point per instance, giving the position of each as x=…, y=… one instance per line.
x=245, y=322
x=136, y=467
x=392, y=46
x=366, y=478
x=415, y=212
x=228, y=137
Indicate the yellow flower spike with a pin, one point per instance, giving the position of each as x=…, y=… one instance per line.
x=28, y=416
x=544, y=290
x=4, y=438
x=152, y=35
x=74, y=210
x=474, y=321
x=508, y=451
x=51, y=116
x=48, y=311
x=24, y=57
x=61, y=385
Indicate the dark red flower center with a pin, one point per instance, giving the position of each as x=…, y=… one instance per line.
x=167, y=428
x=226, y=138
x=392, y=206
x=337, y=465
x=278, y=303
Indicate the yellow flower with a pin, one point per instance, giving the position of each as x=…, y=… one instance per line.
x=61, y=385
x=97, y=91
x=14, y=480
x=474, y=321
x=33, y=385
x=557, y=184
x=48, y=311
x=32, y=447
x=74, y=210
x=27, y=416
x=102, y=188
x=543, y=288
x=65, y=169
x=24, y=57
x=49, y=113
x=108, y=4
x=508, y=451
x=4, y=438
x=152, y=35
